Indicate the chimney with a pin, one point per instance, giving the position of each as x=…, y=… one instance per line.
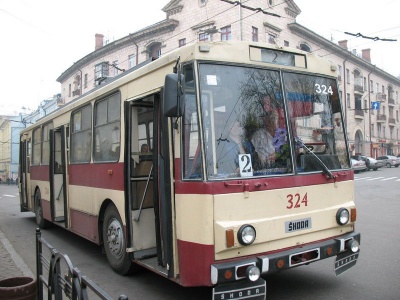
x=343, y=44
x=99, y=41
x=366, y=54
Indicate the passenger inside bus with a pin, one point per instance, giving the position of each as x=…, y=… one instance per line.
x=232, y=146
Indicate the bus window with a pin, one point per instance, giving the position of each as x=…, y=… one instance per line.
x=244, y=124
x=314, y=110
x=107, y=129
x=81, y=135
x=37, y=142
x=46, y=143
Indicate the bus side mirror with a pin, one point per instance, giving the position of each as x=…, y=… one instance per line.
x=174, y=93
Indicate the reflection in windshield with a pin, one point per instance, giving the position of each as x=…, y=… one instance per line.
x=251, y=127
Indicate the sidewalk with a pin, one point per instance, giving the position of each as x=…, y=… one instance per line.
x=11, y=264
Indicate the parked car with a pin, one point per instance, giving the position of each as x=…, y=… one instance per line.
x=390, y=160
x=370, y=162
x=358, y=165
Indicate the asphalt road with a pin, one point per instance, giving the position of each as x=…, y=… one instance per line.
x=375, y=276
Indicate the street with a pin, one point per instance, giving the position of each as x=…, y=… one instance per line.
x=375, y=276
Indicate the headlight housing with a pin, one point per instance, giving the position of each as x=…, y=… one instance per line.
x=246, y=235
x=342, y=216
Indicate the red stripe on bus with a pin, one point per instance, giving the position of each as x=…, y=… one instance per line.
x=194, y=263
x=105, y=176
x=40, y=173
x=255, y=184
x=85, y=225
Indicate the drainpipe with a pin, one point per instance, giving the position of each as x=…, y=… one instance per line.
x=137, y=48
x=369, y=110
x=240, y=21
x=344, y=92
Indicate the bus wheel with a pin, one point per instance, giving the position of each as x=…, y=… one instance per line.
x=41, y=222
x=114, y=242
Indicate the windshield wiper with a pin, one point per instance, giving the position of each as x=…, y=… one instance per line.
x=320, y=162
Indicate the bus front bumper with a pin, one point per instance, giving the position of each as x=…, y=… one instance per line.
x=345, y=248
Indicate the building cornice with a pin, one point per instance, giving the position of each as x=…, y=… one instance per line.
x=156, y=29
x=335, y=49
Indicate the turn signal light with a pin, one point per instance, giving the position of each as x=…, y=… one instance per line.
x=353, y=217
x=230, y=238
x=280, y=264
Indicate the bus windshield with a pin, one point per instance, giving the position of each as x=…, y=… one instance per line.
x=258, y=122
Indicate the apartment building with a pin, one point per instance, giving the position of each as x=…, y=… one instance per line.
x=369, y=94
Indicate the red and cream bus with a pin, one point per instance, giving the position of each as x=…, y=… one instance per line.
x=213, y=165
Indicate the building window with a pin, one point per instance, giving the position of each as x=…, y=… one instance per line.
x=115, y=65
x=348, y=100
x=81, y=135
x=377, y=87
x=286, y=43
x=132, y=60
x=203, y=37
x=154, y=50
x=69, y=90
x=101, y=71
x=85, y=81
x=226, y=33
x=107, y=126
x=305, y=47
x=371, y=86
x=348, y=76
x=372, y=129
x=182, y=42
x=271, y=38
x=254, y=34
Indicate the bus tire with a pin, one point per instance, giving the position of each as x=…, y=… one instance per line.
x=41, y=222
x=115, y=244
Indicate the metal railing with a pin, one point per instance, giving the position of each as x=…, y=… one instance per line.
x=69, y=284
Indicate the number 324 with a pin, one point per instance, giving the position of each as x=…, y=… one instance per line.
x=296, y=201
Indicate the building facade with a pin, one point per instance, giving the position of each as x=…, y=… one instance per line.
x=369, y=95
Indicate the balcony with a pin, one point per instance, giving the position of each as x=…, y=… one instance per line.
x=391, y=102
x=359, y=114
x=76, y=92
x=358, y=88
x=392, y=121
x=381, y=118
x=383, y=97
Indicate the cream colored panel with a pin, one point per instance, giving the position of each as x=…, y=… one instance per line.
x=89, y=200
x=194, y=218
x=268, y=211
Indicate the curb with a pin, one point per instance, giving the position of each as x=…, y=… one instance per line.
x=11, y=264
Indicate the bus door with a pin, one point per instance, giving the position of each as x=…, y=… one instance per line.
x=24, y=174
x=58, y=190
x=151, y=236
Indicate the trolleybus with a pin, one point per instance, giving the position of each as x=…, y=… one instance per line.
x=213, y=165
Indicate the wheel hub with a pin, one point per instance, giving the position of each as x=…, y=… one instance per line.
x=115, y=238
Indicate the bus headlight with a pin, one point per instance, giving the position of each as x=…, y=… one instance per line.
x=246, y=235
x=253, y=273
x=342, y=216
x=353, y=245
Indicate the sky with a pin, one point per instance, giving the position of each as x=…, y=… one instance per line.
x=43, y=38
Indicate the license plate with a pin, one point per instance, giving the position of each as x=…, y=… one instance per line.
x=345, y=261
x=241, y=290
